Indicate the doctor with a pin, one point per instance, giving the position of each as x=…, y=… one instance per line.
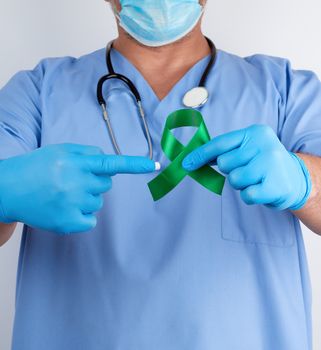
x=103, y=266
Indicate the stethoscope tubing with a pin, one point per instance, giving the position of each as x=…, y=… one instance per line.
x=113, y=75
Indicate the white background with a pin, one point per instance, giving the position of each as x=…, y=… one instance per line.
x=31, y=30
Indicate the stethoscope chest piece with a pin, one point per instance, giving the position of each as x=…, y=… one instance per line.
x=196, y=97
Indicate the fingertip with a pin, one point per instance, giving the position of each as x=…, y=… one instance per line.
x=146, y=165
x=188, y=163
x=152, y=165
x=113, y=165
x=139, y=165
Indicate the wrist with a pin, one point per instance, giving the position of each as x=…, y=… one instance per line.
x=307, y=184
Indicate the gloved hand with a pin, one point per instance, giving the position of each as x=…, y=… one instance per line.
x=59, y=187
x=258, y=165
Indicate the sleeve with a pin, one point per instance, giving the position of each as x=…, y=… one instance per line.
x=20, y=112
x=299, y=96
x=300, y=111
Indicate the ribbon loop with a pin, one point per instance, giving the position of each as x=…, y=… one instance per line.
x=170, y=177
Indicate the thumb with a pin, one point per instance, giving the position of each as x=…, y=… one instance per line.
x=114, y=164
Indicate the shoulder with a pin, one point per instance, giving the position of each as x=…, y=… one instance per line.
x=49, y=69
x=61, y=74
x=268, y=70
x=52, y=68
x=265, y=64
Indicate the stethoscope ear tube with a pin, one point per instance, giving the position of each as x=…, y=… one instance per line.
x=211, y=63
x=102, y=103
x=133, y=89
x=121, y=77
x=108, y=58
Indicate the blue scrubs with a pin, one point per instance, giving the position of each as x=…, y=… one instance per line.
x=191, y=271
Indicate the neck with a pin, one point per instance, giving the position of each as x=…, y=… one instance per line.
x=185, y=52
x=163, y=66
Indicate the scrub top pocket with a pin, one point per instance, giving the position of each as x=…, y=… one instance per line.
x=254, y=224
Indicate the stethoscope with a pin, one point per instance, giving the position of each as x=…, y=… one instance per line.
x=194, y=98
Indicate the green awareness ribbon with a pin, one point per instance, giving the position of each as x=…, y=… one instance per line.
x=170, y=177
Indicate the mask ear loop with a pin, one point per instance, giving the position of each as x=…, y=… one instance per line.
x=116, y=13
x=203, y=8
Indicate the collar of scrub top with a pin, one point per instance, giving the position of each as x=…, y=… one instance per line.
x=194, y=98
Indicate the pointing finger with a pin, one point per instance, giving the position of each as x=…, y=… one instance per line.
x=115, y=164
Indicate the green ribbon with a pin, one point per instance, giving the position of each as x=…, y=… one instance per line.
x=169, y=178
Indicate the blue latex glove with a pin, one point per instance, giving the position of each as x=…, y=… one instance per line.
x=59, y=187
x=257, y=164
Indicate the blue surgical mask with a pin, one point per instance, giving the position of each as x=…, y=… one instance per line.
x=159, y=22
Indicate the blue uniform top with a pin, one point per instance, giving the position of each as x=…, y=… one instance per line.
x=191, y=271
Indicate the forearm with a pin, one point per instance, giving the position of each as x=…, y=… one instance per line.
x=6, y=231
x=310, y=214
